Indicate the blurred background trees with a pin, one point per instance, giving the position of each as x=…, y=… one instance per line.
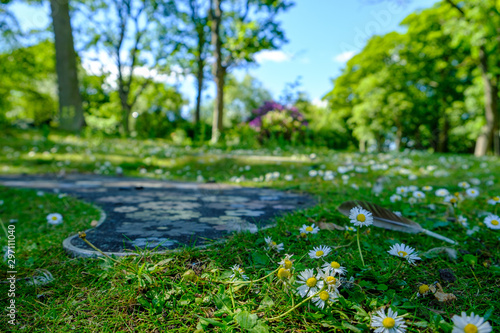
x=432, y=86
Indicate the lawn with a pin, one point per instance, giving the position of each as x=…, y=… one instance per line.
x=205, y=290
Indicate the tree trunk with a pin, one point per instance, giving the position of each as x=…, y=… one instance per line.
x=200, y=75
x=219, y=71
x=490, y=130
x=70, y=103
x=442, y=146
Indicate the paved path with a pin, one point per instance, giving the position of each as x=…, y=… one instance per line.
x=148, y=213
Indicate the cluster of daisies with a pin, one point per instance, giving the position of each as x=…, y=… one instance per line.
x=321, y=286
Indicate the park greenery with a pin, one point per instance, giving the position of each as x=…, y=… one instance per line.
x=238, y=285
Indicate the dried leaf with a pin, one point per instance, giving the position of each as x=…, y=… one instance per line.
x=440, y=295
x=328, y=226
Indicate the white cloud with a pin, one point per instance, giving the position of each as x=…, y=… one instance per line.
x=344, y=56
x=271, y=56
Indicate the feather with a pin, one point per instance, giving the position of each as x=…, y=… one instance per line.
x=384, y=218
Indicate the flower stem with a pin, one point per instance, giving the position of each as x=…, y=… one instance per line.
x=295, y=307
x=395, y=271
x=359, y=248
x=251, y=281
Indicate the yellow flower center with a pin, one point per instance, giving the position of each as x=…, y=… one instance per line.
x=283, y=273
x=423, y=289
x=311, y=282
x=309, y=229
x=470, y=328
x=494, y=222
x=335, y=265
x=496, y=198
x=324, y=295
x=54, y=218
x=288, y=264
x=402, y=190
x=273, y=243
x=402, y=253
x=331, y=280
x=457, y=194
x=361, y=217
x=453, y=200
x=419, y=195
x=303, y=235
x=473, y=192
x=388, y=322
x=319, y=253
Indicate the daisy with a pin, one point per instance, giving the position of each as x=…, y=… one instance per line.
x=389, y=323
x=349, y=228
x=286, y=262
x=464, y=185
x=423, y=290
x=289, y=178
x=412, y=201
x=402, y=190
x=360, y=217
x=462, y=220
x=284, y=273
x=494, y=201
x=335, y=267
x=492, y=222
x=54, y=218
x=472, y=192
x=442, y=192
x=310, y=283
x=272, y=245
x=395, y=197
x=319, y=252
x=404, y=251
x=312, y=229
x=327, y=275
x=427, y=188
x=412, y=188
x=419, y=194
x=323, y=297
x=238, y=272
x=470, y=324
x=451, y=199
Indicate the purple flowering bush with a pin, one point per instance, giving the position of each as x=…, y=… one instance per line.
x=274, y=120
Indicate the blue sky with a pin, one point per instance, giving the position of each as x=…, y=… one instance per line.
x=322, y=34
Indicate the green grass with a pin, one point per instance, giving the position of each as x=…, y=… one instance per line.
x=188, y=291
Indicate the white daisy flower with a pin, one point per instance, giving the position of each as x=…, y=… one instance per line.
x=404, y=251
x=287, y=262
x=412, y=188
x=451, y=199
x=464, y=185
x=238, y=272
x=412, y=201
x=288, y=178
x=402, y=190
x=272, y=245
x=470, y=324
x=419, y=195
x=462, y=220
x=319, y=252
x=335, y=267
x=427, y=188
x=423, y=290
x=313, y=173
x=389, y=323
x=492, y=222
x=54, y=218
x=324, y=297
x=312, y=229
x=494, y=200
x=349, y=228
x=309, y=283
x=442, y=192
x=360, y=217
x=395, y=197
x=472, y=192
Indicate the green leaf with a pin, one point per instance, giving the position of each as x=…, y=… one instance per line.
x=382, y=287
x=261, y=327
x=350, y=327
x=470, y=259
x=246, y=320
x=266, y=303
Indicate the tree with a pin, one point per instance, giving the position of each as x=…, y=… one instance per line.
x=195, y=39
x=70, y=103
x=137, y=36
x=478, y=24
x=240, y=29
